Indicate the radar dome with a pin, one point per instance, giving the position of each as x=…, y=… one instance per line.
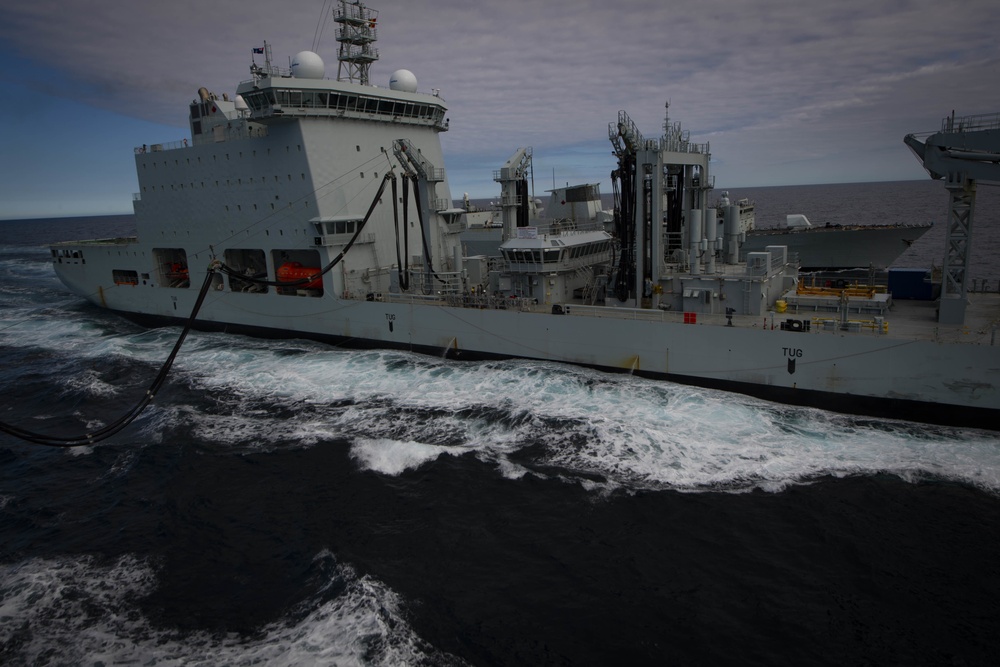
x=241, y=104
x=308, y=65
x=403, y=81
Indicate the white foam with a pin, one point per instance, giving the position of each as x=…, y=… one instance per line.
x=76, y=611
x=392, y=457
x=633, y=433
x=403, y=410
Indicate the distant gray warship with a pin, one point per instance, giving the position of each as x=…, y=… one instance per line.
x=281, y=201
x=836, y=247
x=817, y=248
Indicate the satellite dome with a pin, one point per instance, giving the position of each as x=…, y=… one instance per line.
x=403, y=81
x=241, y=104
x=308, y=65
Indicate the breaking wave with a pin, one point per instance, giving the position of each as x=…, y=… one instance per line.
x=401, y=410
x=81, y=610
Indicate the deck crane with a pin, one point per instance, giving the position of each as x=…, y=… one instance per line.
x=964, y=151
x=513, y=180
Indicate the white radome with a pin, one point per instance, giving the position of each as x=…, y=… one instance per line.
x=308, y=65
x=403, y=80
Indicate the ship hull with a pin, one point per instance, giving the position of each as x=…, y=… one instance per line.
x=869, y=374
x=863, y=405
x=834, y=248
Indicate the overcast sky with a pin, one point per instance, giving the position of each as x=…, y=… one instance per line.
x=786, y=92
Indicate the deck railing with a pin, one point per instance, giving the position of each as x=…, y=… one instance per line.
x=987, y=121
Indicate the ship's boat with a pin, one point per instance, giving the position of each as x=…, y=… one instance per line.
x=292, y=272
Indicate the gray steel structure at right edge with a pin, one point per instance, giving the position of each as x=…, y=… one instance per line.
x=965, y=151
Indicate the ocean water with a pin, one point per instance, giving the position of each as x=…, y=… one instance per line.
x=290, y=503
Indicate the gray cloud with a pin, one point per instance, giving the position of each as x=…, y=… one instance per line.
x=778, y=87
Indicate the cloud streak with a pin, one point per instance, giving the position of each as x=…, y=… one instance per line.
x=778, y=87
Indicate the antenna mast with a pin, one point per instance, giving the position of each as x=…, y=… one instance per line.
x=356, y=35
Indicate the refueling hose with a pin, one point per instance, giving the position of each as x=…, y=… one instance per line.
x=100, y=434
x=130, y=416
x=233, y=273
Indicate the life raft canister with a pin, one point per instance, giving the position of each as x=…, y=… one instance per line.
x=290, y=271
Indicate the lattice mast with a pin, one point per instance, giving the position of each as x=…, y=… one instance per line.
x=356, y=34
x=964, y=151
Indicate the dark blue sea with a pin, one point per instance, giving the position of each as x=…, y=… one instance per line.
x=290, y=503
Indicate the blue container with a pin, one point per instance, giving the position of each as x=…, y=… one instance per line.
x=911, y=284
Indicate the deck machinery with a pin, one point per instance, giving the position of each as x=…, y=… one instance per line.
x=675, y=251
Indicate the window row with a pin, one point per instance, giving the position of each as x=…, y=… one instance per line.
x=311, y=99
x=552, y=255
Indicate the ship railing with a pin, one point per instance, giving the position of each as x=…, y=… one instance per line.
x=508, y=199
x=356, y=13
x=660, y=315
x=491, y=302
x=157, y=148
x=392, y=297
x=989, y=121
x=775, y=263
x=273, y=71
x=567, y=227
x=769, y=321
x=357, y=34
x=445, y=282
x=468, y=300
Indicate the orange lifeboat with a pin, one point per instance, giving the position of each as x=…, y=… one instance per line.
x=290, y=271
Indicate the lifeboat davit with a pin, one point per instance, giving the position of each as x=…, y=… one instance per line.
x=290, y=271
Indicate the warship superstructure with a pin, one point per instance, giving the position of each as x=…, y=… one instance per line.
x=321, y=208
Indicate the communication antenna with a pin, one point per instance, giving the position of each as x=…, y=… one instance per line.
x=356, y=35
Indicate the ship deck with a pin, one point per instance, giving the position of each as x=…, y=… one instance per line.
x=918, y=319
x=116, y=241
x=909, y=320
x=905, y=319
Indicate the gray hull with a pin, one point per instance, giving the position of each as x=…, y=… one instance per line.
x=872, y=373
x=858, y=246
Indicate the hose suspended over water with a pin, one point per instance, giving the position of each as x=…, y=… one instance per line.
x=130, y=416
x=233, y=273
x=93, y=437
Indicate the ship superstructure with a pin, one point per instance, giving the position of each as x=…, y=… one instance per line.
x=321, y=208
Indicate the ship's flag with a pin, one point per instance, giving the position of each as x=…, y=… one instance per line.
x=258, y=49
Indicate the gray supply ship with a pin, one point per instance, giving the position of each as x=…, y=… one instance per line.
x=281, y=200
